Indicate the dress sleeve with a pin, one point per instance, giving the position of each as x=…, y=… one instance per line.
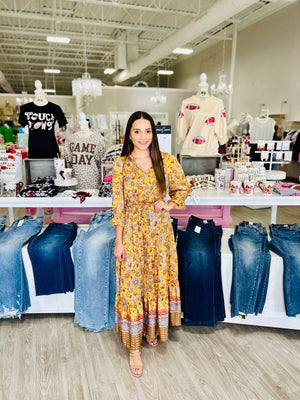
x=118, y=193
x=178, y=186
x=182, y=124
x=221, y=126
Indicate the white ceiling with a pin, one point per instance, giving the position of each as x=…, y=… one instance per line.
x=148, y=29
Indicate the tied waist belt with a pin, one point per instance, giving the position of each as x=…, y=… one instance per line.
x=139, y=204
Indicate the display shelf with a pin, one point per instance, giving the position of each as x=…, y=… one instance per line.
x=273, y=314
x=271, y=152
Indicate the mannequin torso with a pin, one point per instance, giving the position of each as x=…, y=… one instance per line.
x=84, y=129
x=202, y=92
x=40, y=96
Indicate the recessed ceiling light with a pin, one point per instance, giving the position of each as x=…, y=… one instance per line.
x=58, y=39
x=51, y=71
x=165, y=72
x=179, y=50
x=109, y=71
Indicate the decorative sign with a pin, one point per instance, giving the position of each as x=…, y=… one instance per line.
x=164, y=138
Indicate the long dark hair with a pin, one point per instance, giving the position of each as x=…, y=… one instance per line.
x=157, y=161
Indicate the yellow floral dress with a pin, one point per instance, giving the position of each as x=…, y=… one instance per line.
x=147, y=280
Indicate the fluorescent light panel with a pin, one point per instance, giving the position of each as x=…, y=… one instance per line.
x=51, y=71
x=165, y=72
x=49, y=90
x=58, y=39
x=179, y=50
x=109, y=71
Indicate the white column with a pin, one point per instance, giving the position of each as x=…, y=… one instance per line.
x=232, y=68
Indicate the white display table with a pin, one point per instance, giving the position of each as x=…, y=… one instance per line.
x=274, y=312
x=206, y=198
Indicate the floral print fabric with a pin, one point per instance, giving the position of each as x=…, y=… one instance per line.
x=148, y=292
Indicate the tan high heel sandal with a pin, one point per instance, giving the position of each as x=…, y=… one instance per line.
x=135, y=363
x=152, y=342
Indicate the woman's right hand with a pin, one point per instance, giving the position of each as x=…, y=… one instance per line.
x=119, y=252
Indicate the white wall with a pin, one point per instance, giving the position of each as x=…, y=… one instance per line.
x=130, y=99
x=267, y=65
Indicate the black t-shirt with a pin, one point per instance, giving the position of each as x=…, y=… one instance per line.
x=40, y=120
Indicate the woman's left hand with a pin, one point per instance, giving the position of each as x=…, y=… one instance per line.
x=162, y=205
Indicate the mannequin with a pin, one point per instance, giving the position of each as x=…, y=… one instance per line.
x=84, y=151
x=203, y=87
x=202, y=123
x=40, y=96
x=84, y=125
x=40, y=116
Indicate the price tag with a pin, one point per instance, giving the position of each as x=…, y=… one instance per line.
x=197, y=229
x=20, y=223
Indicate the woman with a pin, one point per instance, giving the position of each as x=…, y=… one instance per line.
x=147, y=272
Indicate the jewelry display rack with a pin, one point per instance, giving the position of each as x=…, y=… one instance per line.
x=271, y=152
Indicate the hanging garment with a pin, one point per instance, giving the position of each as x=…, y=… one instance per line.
x=84, y=154
x=286, y=243
x=243, y=128
x=7, y=133
x=199, y=256
x=41, y=121
x=261, y=129
x=296, y=149
x=149, y=273
x=95, y=274
x=202, y=126
x=250, y=268
x=14, y=293
x=50, y=256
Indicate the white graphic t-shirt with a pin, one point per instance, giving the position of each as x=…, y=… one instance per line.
x=202, y=126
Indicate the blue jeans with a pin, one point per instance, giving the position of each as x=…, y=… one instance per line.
x=95, y=274
x=174, y=226
x=199, y=255
x=286, y=243
x=51, y=260
x=2, y=223
x=14, y=293
x=250, y=269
